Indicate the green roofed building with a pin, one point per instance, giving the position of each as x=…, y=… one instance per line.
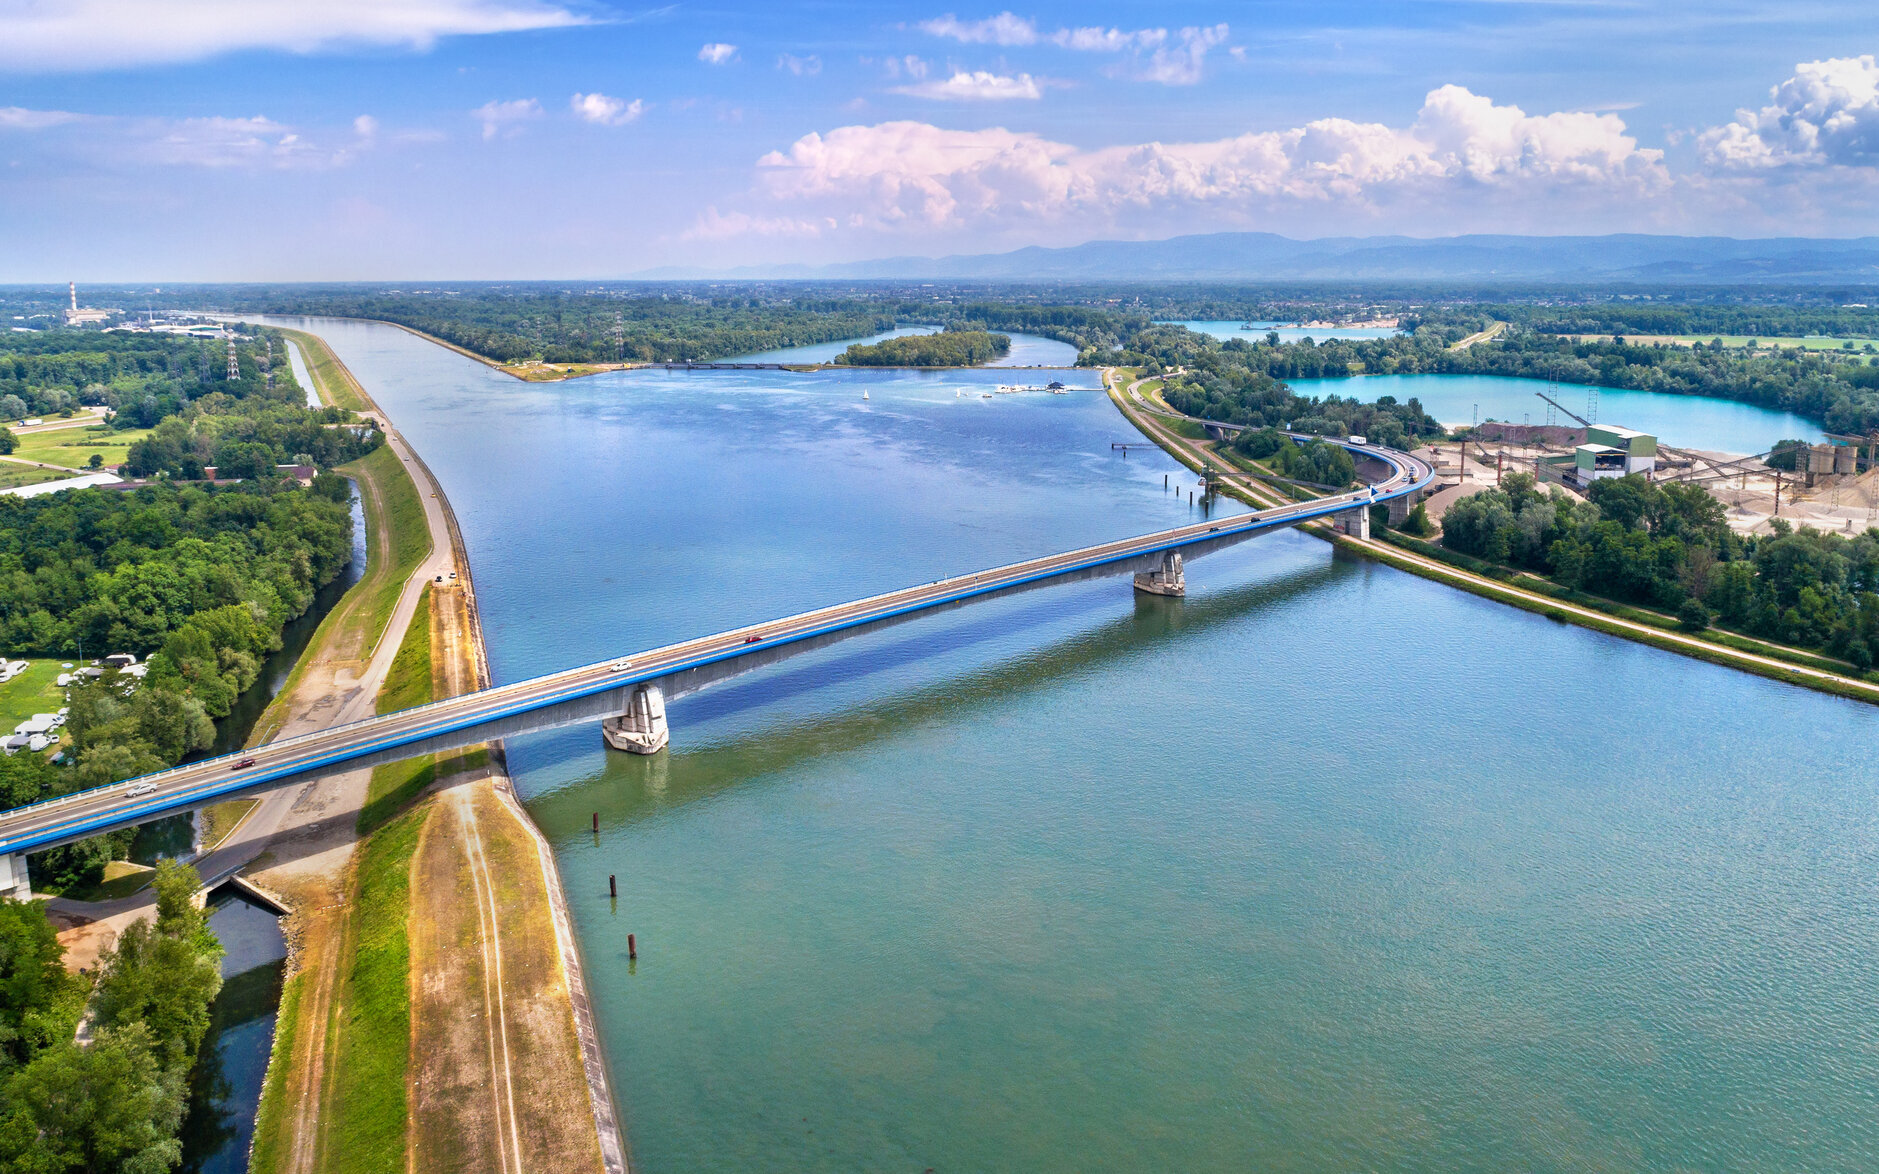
x=1611, y=451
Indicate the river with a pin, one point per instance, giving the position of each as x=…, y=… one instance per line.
x=1323, y=867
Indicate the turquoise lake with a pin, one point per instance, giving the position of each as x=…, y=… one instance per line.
x=1687, y=421
x=1323, y=867
x=1286, y=332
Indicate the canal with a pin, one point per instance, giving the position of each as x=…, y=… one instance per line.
x=1325, y=866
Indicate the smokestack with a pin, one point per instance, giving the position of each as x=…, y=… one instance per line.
x=74, y=286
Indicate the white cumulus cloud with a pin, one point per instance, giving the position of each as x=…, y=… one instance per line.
x=84, y=35
x=1003, y=29
x=717, y=53
x=799, y=66
x=506, y=117
x=1827, y=114
x=606, y=111
x=912, y=174
x=979, y=86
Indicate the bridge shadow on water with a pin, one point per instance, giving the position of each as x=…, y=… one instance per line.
x=631, y=788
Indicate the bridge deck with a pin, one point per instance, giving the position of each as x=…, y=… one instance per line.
x=73, y=817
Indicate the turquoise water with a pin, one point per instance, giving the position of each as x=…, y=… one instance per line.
x=1687, y=421
x=1323, y=867
x=1286, y=333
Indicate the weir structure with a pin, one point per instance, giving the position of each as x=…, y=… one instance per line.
x=628, y=695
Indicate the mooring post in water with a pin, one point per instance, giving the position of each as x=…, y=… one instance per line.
x=613, y=890
x=596, y=822
x=632, y=948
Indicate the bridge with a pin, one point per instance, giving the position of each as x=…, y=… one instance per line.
x=627, y=695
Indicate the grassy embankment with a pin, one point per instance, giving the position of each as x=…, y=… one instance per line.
x=397, y=541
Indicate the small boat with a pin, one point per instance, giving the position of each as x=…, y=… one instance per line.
x=864, y=393
x=985, y=395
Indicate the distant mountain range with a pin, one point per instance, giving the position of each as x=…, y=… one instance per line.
x=1266, y=257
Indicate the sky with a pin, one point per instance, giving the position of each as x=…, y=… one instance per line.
x=327, y=140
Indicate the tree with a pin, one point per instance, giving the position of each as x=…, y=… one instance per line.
x=1692, y=616
x=109, y=1106
x=8, y=441
x=12, y=407
x=33, y=983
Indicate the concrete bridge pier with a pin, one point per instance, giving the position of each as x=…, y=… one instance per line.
x=13, y=880
x=1169, y=579
x=1400, y=507
x=1353, y=522
x=642, y=728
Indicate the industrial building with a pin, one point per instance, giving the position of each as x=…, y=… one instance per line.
x=1611, y=451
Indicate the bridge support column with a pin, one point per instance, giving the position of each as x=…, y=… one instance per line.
x=1355, y=522
x=642, y=728
x=1170, y=579
x=13, y=881
x=1400, y=507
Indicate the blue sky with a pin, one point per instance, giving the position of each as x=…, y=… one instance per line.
x=457, y=139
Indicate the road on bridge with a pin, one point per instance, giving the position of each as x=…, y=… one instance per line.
x=153, y=796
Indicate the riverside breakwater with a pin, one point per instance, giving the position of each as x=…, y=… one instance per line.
x=1324, y=866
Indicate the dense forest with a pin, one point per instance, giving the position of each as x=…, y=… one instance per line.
x=948, y=348
x=1669, y=545
x=603, y=325
x=117, y=1102
x=146, y=376
x=201, y=579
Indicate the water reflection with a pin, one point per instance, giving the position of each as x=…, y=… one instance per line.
x=225, y=1088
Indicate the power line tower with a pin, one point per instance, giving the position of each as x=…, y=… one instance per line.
x=234, y=367
x=1591, y=405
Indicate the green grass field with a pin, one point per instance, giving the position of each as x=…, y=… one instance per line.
x=12, y=475
x=33, y=691
x=73, y=447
